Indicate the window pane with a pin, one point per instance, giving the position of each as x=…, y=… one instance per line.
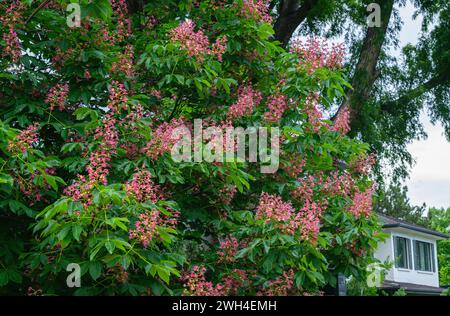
x=402, y=252
x=424, y=256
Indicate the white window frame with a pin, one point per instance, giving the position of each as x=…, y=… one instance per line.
x=433, y=256
x=409, y=256
x=413, y=261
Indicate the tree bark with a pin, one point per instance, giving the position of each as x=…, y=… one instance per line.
x=366, y=69
x=291, y=14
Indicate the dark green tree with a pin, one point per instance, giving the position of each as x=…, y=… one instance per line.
x=393, y=201
x=439, y=220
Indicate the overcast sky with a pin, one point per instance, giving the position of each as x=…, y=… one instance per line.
x=430, y=177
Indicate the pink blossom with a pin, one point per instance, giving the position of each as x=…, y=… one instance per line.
x=305, y=189
x=276, y=105
x=248, y=99
x=233, y=281
x=194, y=43
x=118, y=97
x=25, y=140
x=337, y=184
x=362, y=203
x=228, y=249
x=316, y=53
x=143, y=188
x=195, y=284
x=280, y=286
x=282, y=214
x=272, y=208
x=162, y=140
x=31, y=190
x=294, y=166
x=219, y=47
x=123, y=28
x=156, y=93
x=145, y=228
x=313, y=113
x=80, y=190
x=257, y=10
x=342, y=123
x=13, y=14
x=61, y=57
x=363, y=164
x=57, y=96
x=197, y=43
x=227, y=194
x=308, y=219
x=131, y=120
x=124, y=64
x=13, y=47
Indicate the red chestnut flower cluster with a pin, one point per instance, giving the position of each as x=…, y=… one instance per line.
x=163, y=139
x=280, y=286
x=13, y=47
x=276, y=106
x=248, y=100
x=315, y=53
x=195, y=284
x=362, y=203
x=256, y=9
x=342, y=122
x=142, y=187
x=197, y=43
x=57, y=96
x=282, y=214
x=12, y=19
x=228, y=249
x=25, y=140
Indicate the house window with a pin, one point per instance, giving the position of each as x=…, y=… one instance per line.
x=402, y=251
x=424, y=256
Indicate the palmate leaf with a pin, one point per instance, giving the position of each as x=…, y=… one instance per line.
x=98, y=8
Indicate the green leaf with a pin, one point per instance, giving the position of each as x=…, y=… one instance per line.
x=3, y=278
x=163, y=274
x=100, y=8
x=6, y=179
x=110, y=246
x=95, y=269
x=76, y=232
x=63, y=233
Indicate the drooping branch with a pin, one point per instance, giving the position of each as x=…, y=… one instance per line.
x=291, y=14
x=412, y=94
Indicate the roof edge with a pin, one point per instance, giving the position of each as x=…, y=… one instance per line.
x=418, y=229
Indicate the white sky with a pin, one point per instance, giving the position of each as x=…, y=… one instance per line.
x=430, y=177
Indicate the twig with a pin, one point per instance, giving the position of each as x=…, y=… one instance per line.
x=43, y=4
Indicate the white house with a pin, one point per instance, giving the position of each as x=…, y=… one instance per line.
x=413, y=251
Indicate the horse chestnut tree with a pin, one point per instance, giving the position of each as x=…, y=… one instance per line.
x=87, y=119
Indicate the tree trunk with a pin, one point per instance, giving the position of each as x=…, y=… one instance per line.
x=366, y=69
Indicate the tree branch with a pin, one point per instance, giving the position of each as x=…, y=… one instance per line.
x=39, y=8
x=412, y=94
x=291, y=15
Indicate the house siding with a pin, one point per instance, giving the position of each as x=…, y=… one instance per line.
x=385, y=251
